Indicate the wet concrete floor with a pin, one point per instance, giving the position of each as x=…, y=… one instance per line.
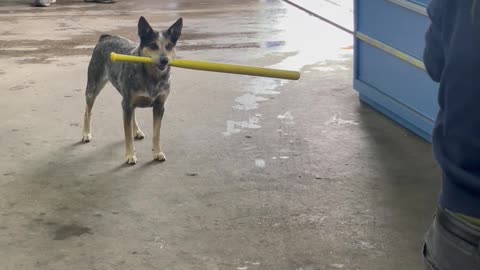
x=261, y=173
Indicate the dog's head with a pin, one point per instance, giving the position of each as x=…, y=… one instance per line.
x=160, y=46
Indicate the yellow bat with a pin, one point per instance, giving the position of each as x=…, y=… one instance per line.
x=213, y=67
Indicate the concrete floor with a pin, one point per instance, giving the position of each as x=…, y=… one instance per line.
x=261, y=173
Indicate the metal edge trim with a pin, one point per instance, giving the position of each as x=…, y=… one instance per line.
x=399, y=54
x=411, y=6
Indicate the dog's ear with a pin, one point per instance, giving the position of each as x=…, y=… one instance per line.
x=145, y=31
x=175, y=31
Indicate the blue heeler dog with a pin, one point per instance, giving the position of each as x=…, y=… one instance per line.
x=141, y=85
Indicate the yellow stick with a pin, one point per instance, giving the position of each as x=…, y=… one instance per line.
x=214, y=67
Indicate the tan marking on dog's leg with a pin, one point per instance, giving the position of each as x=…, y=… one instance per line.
x=87, y=136
x=139, y=135
x=157, y=124
x=127, y=125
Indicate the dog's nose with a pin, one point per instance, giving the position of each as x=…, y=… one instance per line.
x=163, y=60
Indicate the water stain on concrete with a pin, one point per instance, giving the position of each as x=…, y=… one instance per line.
x=18, y=87
x=66, y=64
x=63, y=208
x=202, y=47
x=336, y=120
x=67, y=231
x=260, y=163
x=38, y=220
x=34, y=60
x=234, y=127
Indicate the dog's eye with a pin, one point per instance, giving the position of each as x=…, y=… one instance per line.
x=153, y=46
x=169, y=46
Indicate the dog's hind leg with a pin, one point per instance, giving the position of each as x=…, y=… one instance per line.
x=137, y=133
x=96, y=82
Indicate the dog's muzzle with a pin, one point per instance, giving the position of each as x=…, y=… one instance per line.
x=162, y=65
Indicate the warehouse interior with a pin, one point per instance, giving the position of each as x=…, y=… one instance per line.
x=261, y=173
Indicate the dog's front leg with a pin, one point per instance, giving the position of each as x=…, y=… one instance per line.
x=127, y=125
x=158, y=111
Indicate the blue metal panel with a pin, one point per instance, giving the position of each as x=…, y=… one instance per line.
x=394, y=110
x=392, y=84
x=394, y=25
x=397, y=79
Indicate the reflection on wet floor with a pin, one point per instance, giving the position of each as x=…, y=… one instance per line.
x=262, y=25
x=292, y=51
x=337, y=11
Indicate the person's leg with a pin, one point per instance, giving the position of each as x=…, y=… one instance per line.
x=451, y=244
x=43, y=3
x=102, y=1
x=452, y=58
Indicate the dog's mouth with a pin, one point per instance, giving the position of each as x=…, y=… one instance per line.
x=162, y=67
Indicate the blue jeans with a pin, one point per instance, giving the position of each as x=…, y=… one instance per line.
x=451, y=244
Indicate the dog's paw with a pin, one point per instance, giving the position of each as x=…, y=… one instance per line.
x=131, y=159
x=87, y=137
x=139, y=135
x=159, y=157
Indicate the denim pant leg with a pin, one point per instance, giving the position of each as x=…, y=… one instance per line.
x=444, y=250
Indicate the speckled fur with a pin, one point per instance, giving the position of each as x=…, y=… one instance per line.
x=141, y=85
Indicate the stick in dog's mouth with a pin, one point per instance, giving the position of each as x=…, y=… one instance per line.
x=212, y=67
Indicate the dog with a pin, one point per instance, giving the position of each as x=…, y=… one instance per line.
x=141, y=85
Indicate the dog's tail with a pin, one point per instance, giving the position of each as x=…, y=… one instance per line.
x=104, y=36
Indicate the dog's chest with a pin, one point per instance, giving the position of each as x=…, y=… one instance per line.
x=149, y=97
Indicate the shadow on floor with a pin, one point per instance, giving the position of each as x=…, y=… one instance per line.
x=66, y=191
x=409, y=179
